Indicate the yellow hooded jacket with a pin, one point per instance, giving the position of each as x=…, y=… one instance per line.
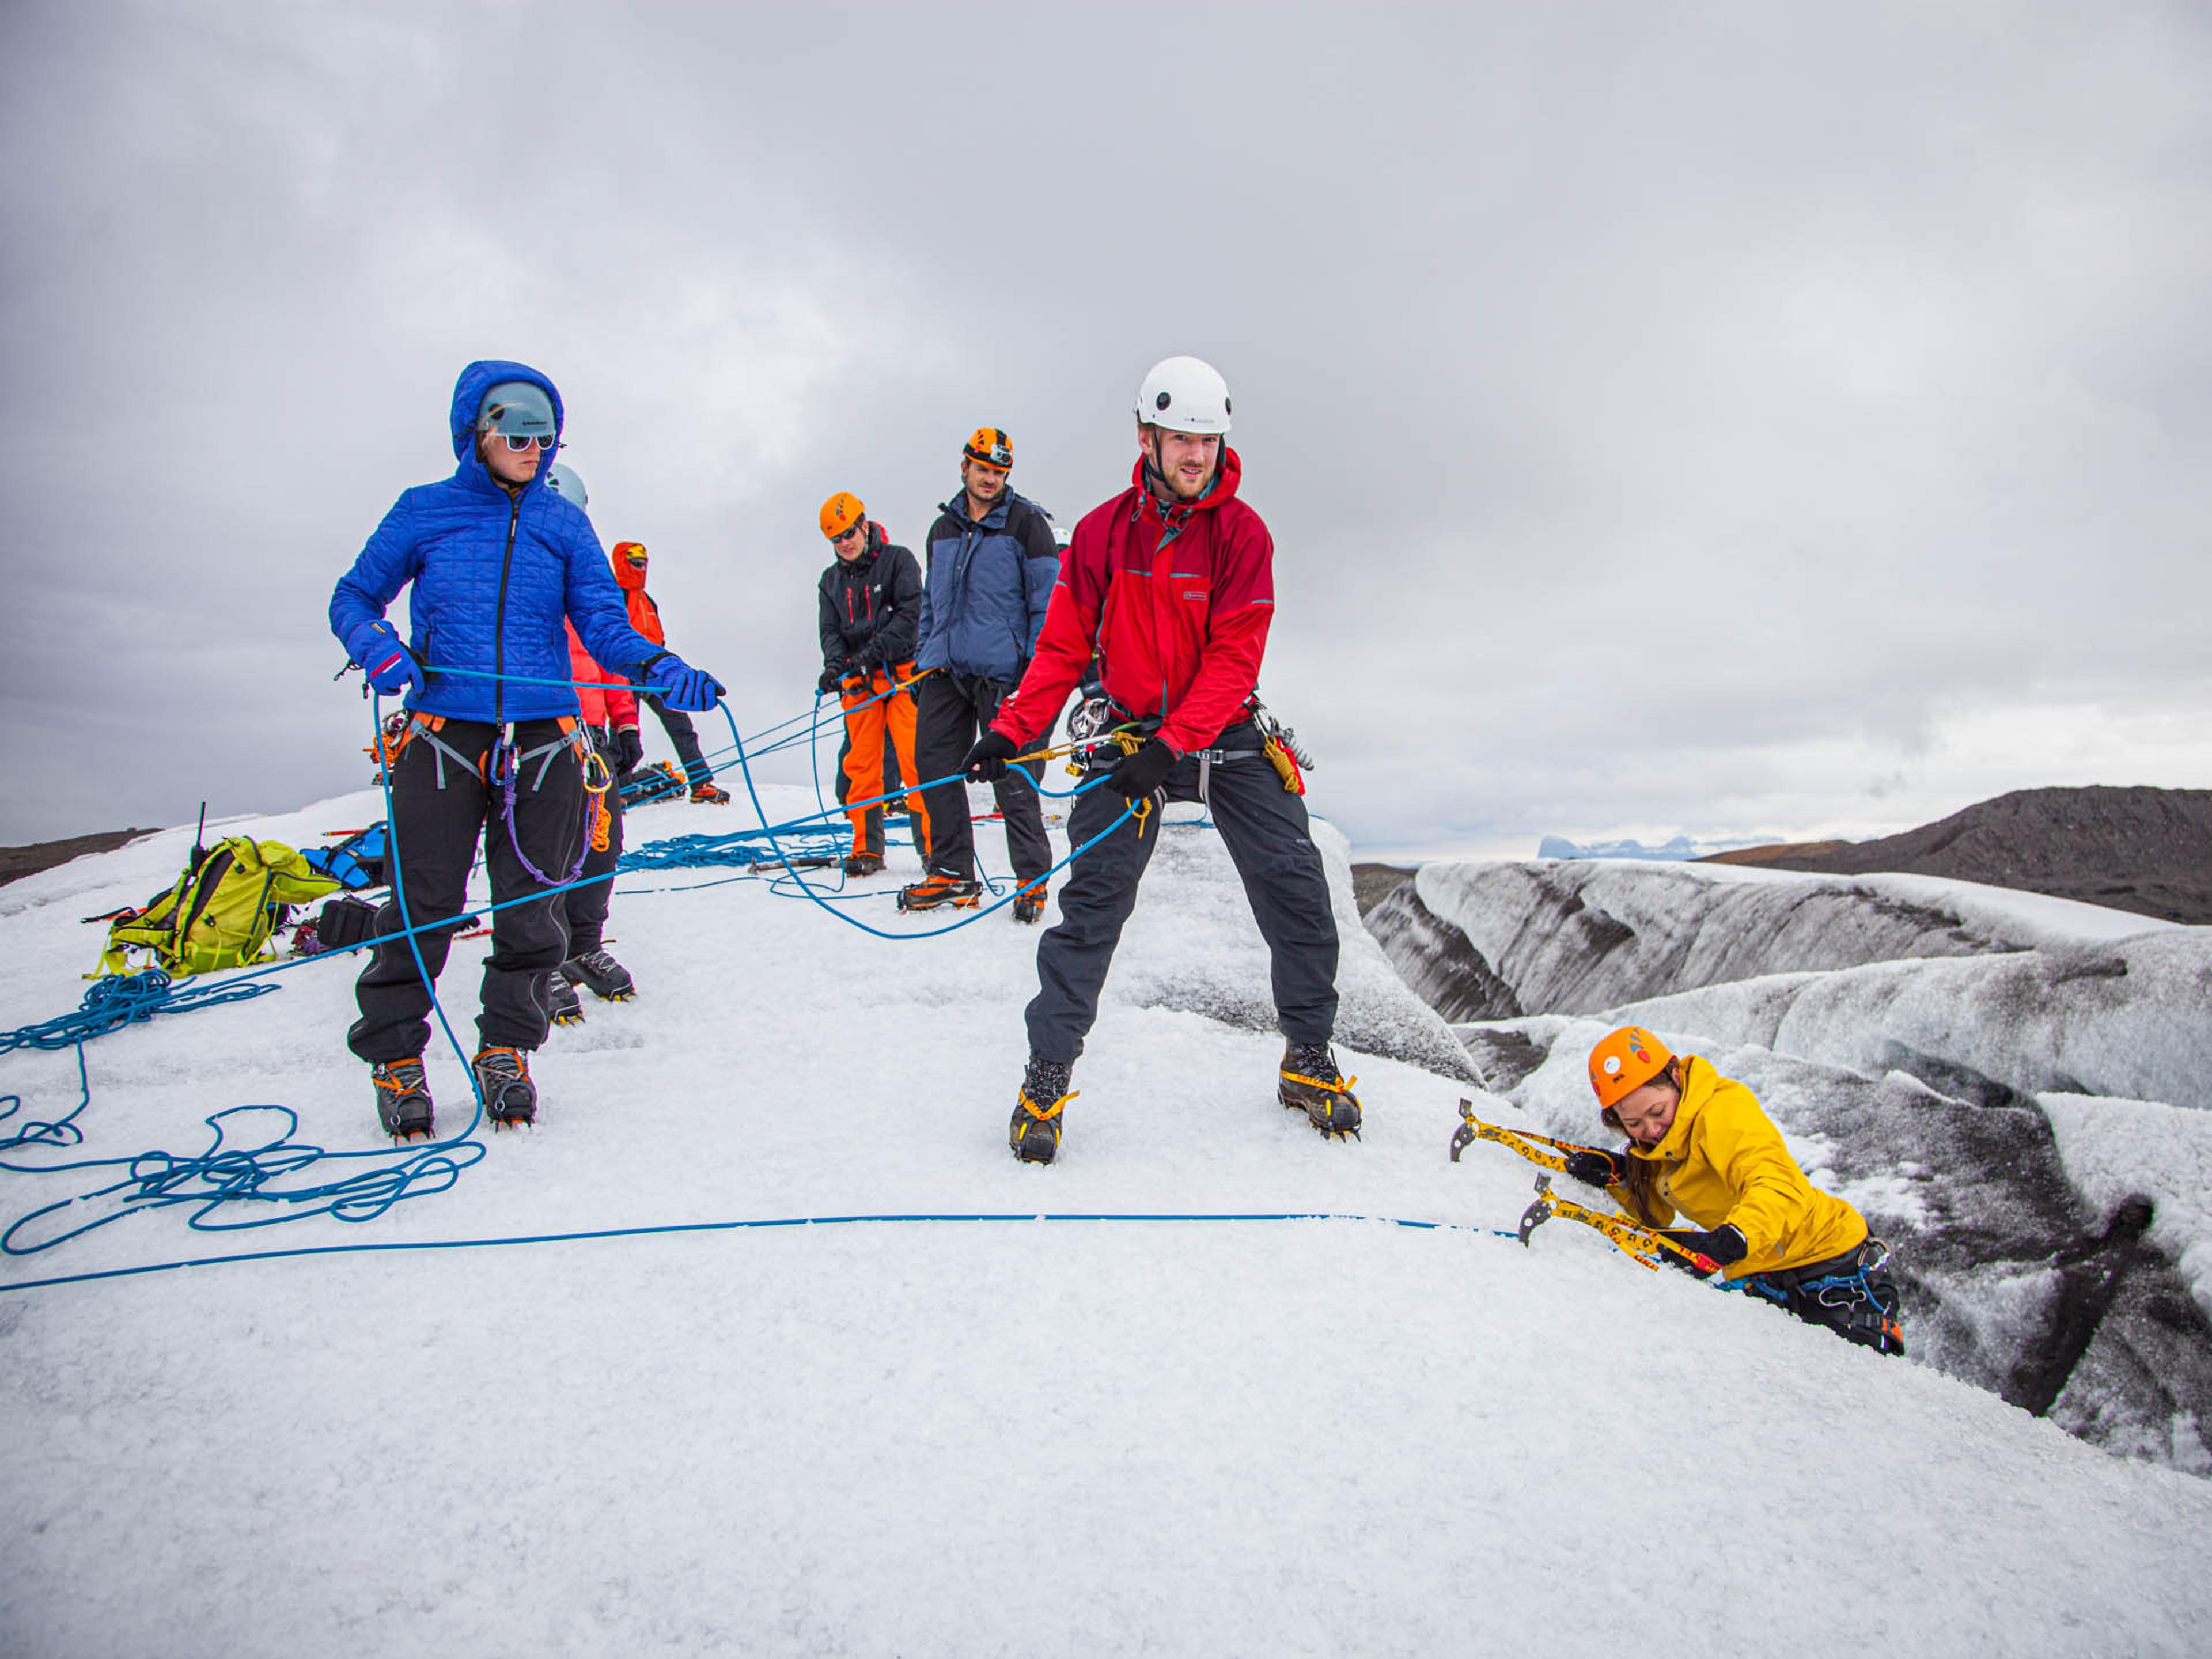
x=1723, y=1164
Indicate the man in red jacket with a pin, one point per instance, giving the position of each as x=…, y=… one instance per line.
x=1172, y=582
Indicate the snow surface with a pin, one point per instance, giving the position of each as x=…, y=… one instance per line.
x=1080, y=1436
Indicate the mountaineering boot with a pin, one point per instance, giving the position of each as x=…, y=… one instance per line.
x=1035, y=1132
x=608, y=979
x=509, y=1096
x=710, y=794
x=935, y=891
x=403, y=1098
x=562, y=1000
x=1028, y=904
x=1311, y=1083
x=862, y=864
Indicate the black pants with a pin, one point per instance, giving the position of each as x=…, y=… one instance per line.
x=954, y=710
x=683, y=735
x=1265, y=829
x=440, y=807
x=585, y=907
x=1860, y=1307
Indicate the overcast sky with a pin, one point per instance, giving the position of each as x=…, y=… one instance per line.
x=1735, y=419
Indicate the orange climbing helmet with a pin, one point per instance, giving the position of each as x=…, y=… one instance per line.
x=841, y=513
x=991, y=446
x=1623, y=1063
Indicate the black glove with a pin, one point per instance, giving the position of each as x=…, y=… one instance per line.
x=1593, y=1168
x=1140, y=774
x=987, y=761
x=1723, y=1244
x=856, y=675
x=863, y=660
x=829, y=678
x=629, y=749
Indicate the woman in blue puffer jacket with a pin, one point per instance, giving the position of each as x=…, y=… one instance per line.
x=498, y=563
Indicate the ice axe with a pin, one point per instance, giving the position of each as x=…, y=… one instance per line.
x=1539, y=1212
x=1529, y=1145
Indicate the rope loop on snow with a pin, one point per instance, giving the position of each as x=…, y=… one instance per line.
x=271, y=1172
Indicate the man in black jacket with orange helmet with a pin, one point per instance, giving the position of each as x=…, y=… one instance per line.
x=871, y=615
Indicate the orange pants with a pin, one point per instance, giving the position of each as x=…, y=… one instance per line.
x=861, y=762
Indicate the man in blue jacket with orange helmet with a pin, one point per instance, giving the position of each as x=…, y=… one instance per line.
x=492, y=749
x=992, y=563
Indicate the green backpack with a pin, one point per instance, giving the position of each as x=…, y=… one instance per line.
x=221, y=913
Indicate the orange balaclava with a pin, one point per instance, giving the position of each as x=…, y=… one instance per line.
x=629, y=572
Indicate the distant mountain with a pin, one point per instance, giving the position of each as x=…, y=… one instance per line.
x=2140, y=849
x=1680, y=850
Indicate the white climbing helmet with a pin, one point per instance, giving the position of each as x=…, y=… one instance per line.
x=1183, y=394
x=562, y=481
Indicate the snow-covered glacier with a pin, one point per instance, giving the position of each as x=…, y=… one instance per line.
x=2008, y=1085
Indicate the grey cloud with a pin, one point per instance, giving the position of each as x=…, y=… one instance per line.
x=1765, y=394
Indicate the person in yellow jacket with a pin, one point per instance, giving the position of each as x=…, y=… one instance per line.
x=1700, y=1147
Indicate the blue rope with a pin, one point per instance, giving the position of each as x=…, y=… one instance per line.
x=745, y=766
x=670, y=1229
x=746, y=847
x=262, y=1172
x=236, y=1167
x=123, y=999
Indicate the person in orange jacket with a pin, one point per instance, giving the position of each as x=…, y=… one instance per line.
x=630, y=562
x=871, y=603
x=1699, y=1145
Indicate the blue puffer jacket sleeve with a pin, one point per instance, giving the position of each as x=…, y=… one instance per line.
x=387, y=564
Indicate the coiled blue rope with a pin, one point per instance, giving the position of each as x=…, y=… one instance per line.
x=123, y=999
x=269, y=1172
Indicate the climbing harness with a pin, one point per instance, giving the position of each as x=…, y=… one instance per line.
x=1855, y=1284
x=507, y=764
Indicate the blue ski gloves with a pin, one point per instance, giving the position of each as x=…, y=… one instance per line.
x=987, y=761
x=1140, y=774
x=686, y=690
x=390, y=665
x=1595, y=1169
x=1723, y=1244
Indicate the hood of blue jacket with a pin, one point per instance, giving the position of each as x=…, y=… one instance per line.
x=479, y=378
